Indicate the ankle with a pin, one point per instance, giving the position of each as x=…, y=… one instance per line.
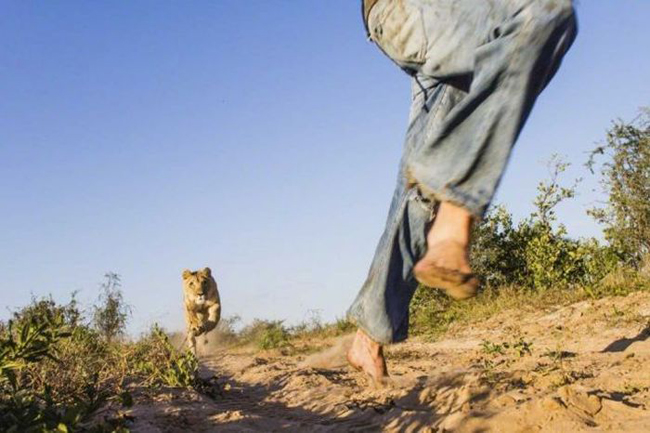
x=453, y=224
x=373, y=347
x=448, y=243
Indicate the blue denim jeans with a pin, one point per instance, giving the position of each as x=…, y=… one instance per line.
x=477, y=67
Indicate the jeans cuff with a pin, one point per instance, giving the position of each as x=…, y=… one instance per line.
x=474, y=205
x=358, y=323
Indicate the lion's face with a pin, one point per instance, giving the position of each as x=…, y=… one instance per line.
x=197, y=284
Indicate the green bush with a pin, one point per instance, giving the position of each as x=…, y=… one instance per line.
x=625, y=179
x=533, y=256
x=111, y=313
x=27, y=402
x=343, y=326
x=313, y=328
x=537, y=253
x=266, y=334
x=431, y=312
x=157, y=362
x=56, y=370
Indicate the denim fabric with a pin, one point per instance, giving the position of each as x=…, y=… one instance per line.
x=477, y=68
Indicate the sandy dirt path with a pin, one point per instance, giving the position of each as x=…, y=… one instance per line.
x=582, y=367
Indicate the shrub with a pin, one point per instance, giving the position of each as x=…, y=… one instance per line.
x=343, y=326
x=111, y=313
x=266, y=334
x=431, y=312
x=27, y=401
x=155, y=361
x=274, y=336
x=498, y=251
x=56, y=371
x=625, y=179
x=537, y=253
x=534, y=255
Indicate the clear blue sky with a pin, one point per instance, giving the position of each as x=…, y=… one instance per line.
x=260, y=138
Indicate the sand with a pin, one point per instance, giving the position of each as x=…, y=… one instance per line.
x=575, y=368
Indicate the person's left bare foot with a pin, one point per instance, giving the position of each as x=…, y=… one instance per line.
x=368, y=356
x=445, y=266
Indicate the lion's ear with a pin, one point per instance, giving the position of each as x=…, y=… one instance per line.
x=186, y=274
x=207, y=272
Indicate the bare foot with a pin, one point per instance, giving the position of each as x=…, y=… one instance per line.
x=446, y=262
x=368, y=356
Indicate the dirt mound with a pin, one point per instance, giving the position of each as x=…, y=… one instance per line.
x=576, y=368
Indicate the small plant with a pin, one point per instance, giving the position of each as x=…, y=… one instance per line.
x=266, y=334
x=343, y=326
x=111, y=313
x=558, y=355
x=182, y=372
x=488, y=370
x=157, y=362
x=521, y=347
x=273, y=336
x=558, y=370
x=490, y=348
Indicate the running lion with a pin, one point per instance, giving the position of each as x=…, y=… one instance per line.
x=202, y=304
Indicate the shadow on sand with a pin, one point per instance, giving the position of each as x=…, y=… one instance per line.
x=622, y=344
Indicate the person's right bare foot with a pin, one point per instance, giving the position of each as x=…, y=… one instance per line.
x=368, y=356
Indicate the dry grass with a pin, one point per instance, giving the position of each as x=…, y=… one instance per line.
x=432, y=313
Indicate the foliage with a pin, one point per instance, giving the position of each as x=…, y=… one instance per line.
x=111, y=314
x=342, y=326
x=27, y=403
x=314, y=328
x=499, y=249
x=550, y=257
x=625, y=179
x=536, y=253
x=431, y=312
x=519, y=347
x=533, y=256
x=266, y=334
x=274, y=334
x=48, y=310
x=155, y=360
x=56, y=371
